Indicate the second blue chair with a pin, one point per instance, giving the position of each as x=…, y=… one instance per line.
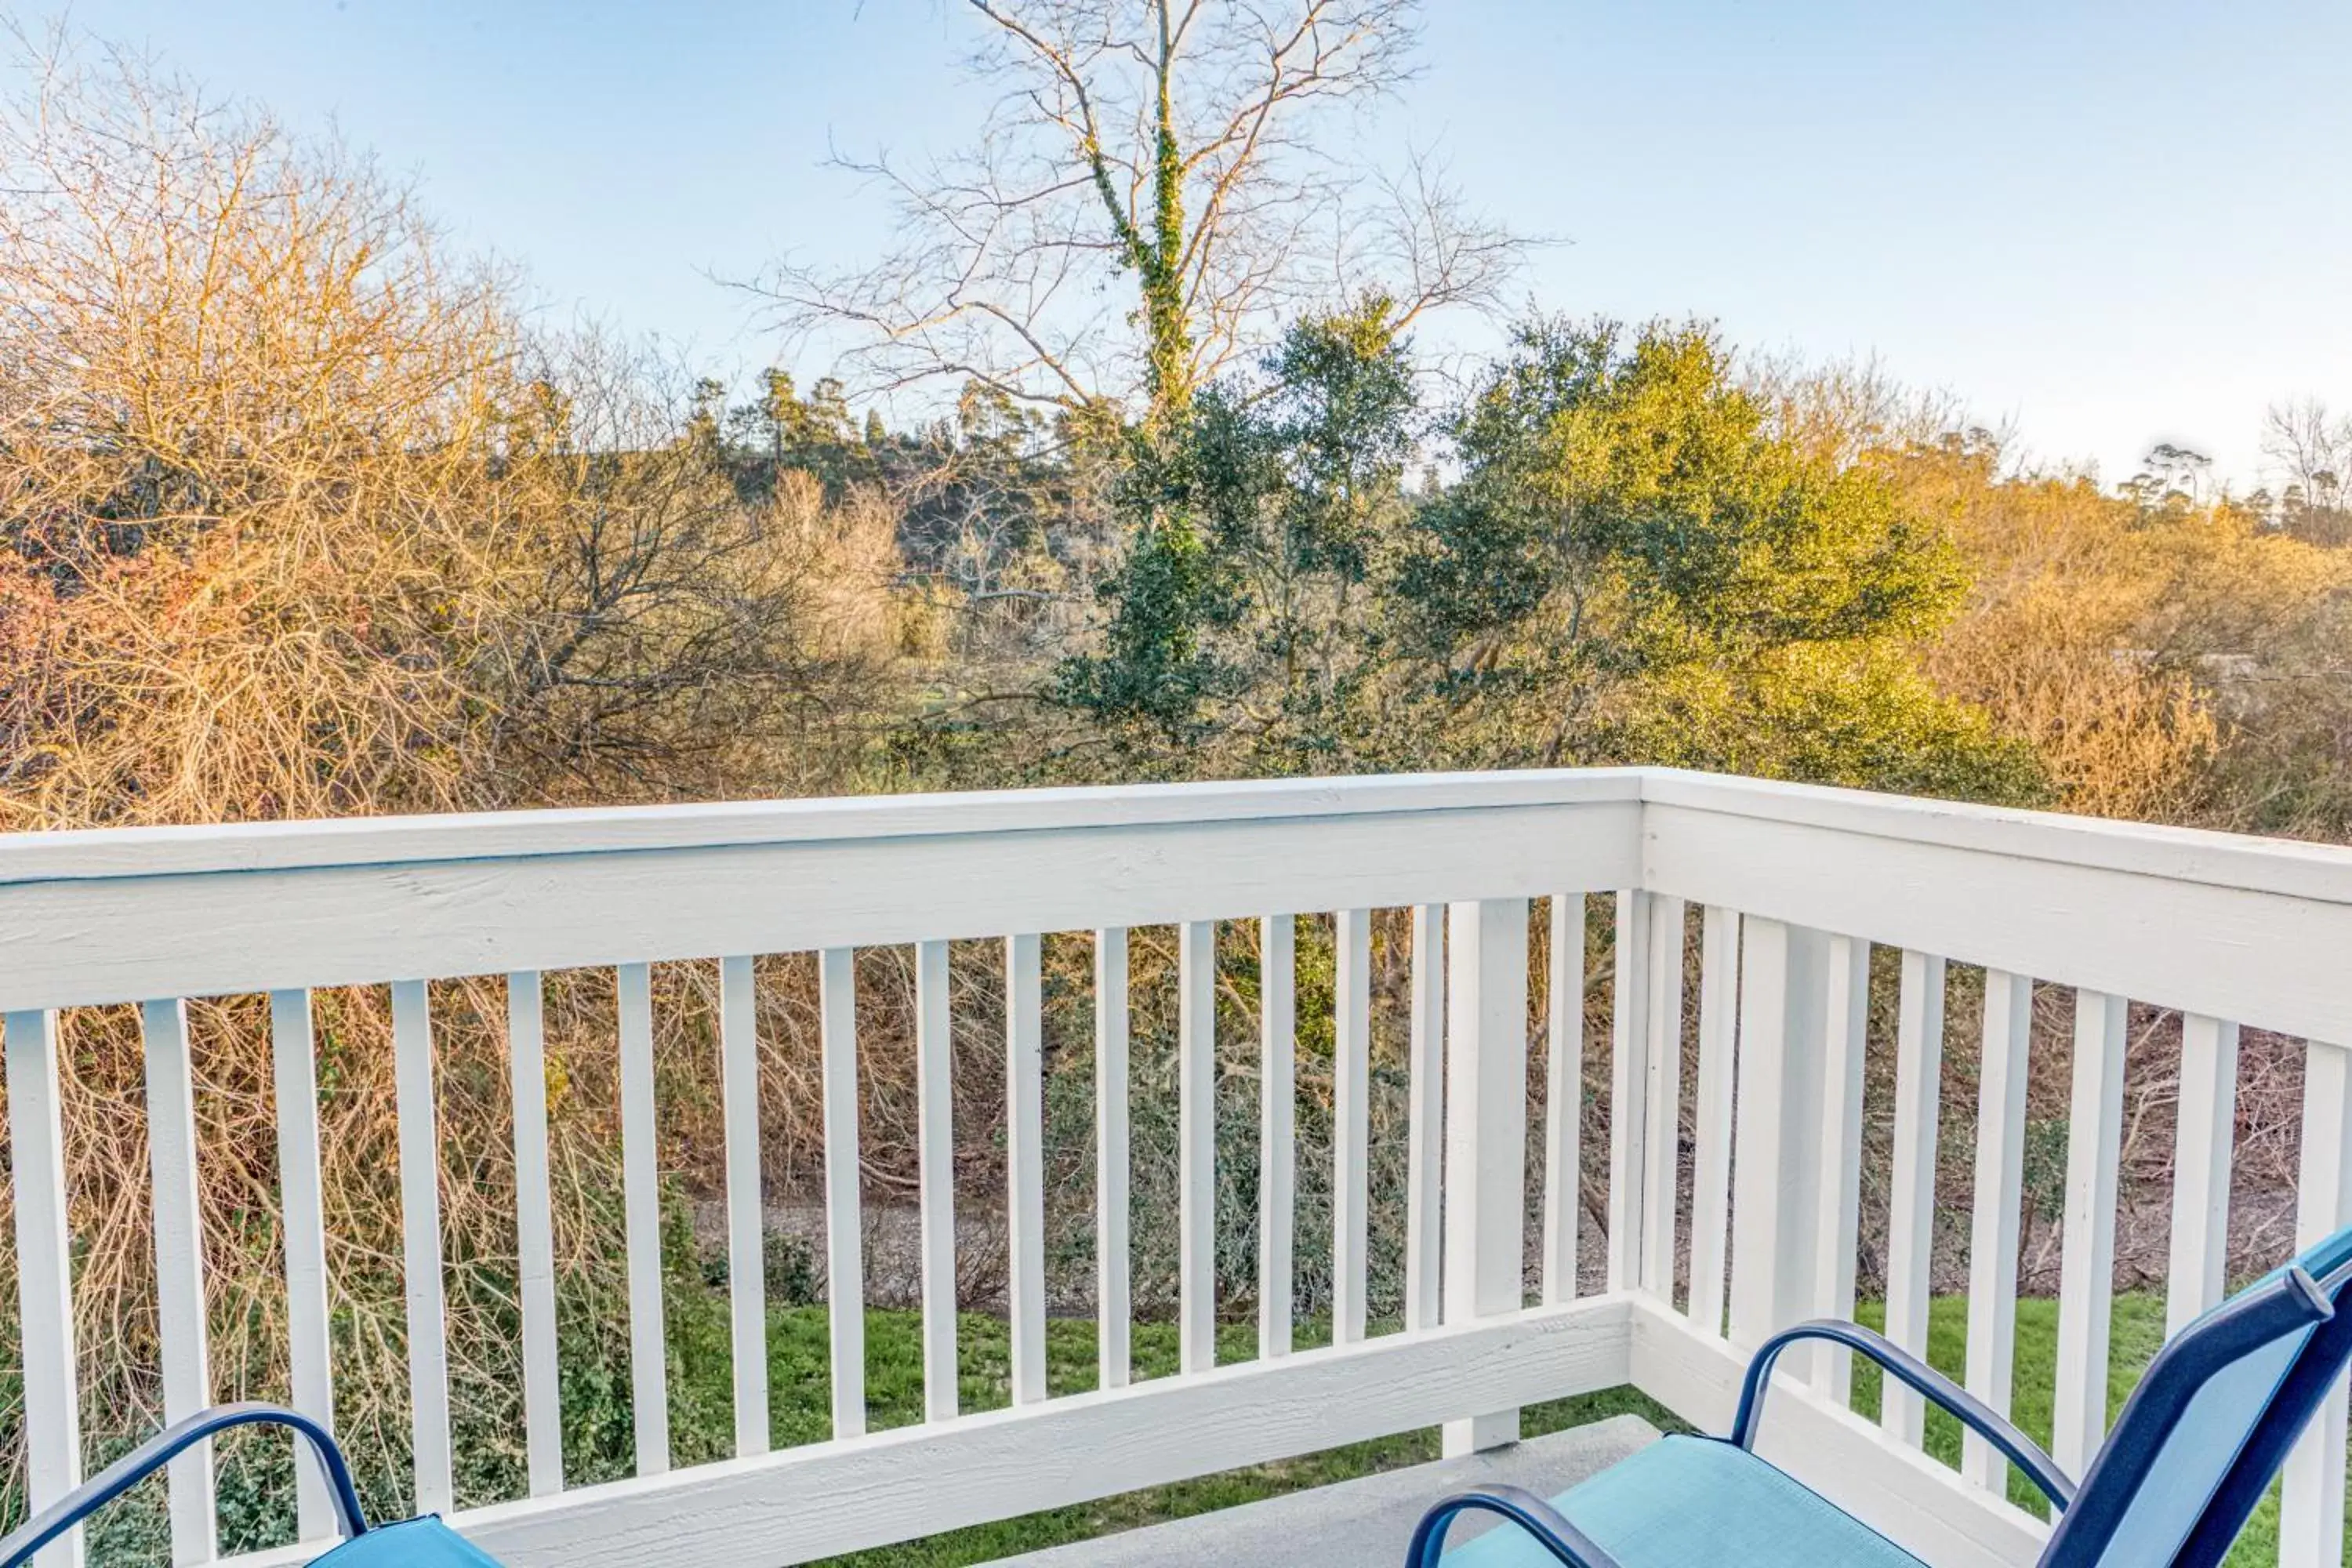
x=2196, y=1446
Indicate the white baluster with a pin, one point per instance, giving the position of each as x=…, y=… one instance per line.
x=1838, y=1215
x=935, y=1177
x=1719, y=1002
x=1564, y=1100
x=1278, y=1028
x=845, y=1238
x=2000, y=1195
x=310, y=1378
x=1661, y=1097
x=1425, y=1129
x=1911, y=1217
x=2200, y=1182
x=1024, y=1150
x=179, y=1269
x=1196, y=1096
x=747, y=1285
x=1110, y=1157
x=1351, y=1124
x=37, y=1174
x=534, y=1232
x=641, y=1201
x=2086, y=1265
x=1629, y=1081
x=420, y=1226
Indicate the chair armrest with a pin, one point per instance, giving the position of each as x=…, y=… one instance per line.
x=1538, y=1518
x=18, y=1546
x=1909, y=1369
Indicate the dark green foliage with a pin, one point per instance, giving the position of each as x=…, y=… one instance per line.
x=1636, y=567
x=1239, y=616
x=782, y=431
x=1644, y=467
x=1631, y=565
x=1158, y=672
x=790, y=1267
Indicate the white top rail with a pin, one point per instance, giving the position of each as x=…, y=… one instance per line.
x=2216, y=924
x=85, y=854
x=135, y=914
x=2211, y=923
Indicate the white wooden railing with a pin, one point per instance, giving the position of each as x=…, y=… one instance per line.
x=1796, y=885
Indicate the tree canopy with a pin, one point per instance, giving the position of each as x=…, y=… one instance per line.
x=1627, y=563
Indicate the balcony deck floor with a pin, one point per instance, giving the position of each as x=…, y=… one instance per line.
x=1354, y=1524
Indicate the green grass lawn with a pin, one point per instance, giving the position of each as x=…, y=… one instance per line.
x=2137, y=1335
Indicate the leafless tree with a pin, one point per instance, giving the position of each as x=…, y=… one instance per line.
x=297, y=519
x=1191, y=145
x=2311, y=448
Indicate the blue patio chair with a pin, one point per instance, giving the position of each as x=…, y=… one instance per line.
x=423, y=1543
x=2195, y=1448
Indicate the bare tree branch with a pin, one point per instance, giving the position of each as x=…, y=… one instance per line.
x=1140, y=208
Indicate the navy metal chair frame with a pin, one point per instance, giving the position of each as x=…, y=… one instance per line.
x=1546, y=1524
x=2089, y=1514
x=18, y=1547
x=1908, y=1369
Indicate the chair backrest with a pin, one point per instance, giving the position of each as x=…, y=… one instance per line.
x=2212, y=1420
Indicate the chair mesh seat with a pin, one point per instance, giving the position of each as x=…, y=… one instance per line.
x=1694, y=1502
x=423, y=1543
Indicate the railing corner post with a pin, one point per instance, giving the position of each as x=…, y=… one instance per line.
x=1783, y=996
x=1485, y=1132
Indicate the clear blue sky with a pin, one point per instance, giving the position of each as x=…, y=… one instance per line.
x=2108, y=222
